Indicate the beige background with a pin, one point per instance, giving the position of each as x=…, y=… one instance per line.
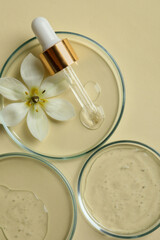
x=130, y=31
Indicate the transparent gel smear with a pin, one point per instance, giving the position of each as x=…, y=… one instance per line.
x=22, y=215
x=91, y=116
x=93, y=89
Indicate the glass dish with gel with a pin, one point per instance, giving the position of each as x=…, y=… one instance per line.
x=119, y=190
x=36, y=201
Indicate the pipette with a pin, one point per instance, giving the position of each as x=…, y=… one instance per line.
x=58, y=55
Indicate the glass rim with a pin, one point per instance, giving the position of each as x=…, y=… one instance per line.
x=63, y=178
x=18, y=142
x=85, y=213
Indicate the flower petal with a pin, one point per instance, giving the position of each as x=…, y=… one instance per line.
x=12, y=89
x=54, y=85
x=14, y=113
x=32, y=71
x=37, y=122
x=59, y=109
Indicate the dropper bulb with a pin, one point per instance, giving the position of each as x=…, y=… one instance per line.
x=44, y=32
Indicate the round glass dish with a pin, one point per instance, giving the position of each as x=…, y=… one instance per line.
x=71, y=139
x=22, y=171
x=118, y=189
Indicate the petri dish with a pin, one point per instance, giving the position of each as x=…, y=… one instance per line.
x=25, y=172
x=118, y=189
x=71, y=139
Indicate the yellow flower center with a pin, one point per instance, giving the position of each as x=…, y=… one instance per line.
x=35, y=97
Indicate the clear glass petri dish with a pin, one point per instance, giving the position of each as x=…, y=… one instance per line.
x=118, y=189
x=26, y=172
x=71, y=139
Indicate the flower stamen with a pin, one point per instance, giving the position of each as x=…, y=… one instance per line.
x=43, y=91
x=35, y=99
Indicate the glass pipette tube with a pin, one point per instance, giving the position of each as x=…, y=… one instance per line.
x=91, y=115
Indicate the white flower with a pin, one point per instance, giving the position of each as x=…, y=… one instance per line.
x=35, y=99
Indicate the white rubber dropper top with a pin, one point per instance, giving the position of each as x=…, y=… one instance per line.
x=44, y=32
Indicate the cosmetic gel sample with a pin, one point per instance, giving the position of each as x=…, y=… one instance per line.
x=122, y=191
x=22, y=215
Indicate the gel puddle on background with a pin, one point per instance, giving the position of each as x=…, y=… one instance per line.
x=22, y=215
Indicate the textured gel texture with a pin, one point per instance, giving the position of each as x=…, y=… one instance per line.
x=122, y=190
x=22, y=215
